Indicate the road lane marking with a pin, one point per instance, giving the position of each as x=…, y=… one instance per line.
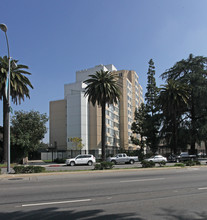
x=202, y=188
x=53, y=203
x=128, y=181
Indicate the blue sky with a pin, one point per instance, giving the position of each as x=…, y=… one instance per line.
x=55, y=38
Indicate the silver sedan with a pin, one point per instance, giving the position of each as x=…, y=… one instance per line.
x=157, y=159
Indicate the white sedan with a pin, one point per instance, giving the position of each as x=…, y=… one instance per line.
x=157, y=159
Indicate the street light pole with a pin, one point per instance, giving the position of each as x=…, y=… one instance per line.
x=3, y=27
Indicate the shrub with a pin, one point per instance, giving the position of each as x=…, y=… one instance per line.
x=28, y=169
x=18, y=169
x=59, y=160
x=104, y=165
x=146, y=164
x=39, y=169
x=97, y=166
x=198, y=162
x=98, y=160
x=189, y=163
x=179, y=165
x=162, y=163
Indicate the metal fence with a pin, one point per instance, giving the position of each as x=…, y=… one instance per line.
x=52, y=155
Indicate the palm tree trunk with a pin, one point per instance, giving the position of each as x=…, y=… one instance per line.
x=103, y=131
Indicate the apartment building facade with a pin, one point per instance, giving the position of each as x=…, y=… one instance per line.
x=74, y=116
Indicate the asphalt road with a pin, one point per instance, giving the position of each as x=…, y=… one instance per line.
x=130, y=194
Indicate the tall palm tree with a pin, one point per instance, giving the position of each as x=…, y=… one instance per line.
x=19, y=84
x=102, y=88
x=173, y=100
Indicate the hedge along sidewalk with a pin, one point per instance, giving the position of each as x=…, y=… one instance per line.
x=28, y=169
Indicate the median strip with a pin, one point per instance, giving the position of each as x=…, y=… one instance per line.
x=128, y=181
x=53, y=203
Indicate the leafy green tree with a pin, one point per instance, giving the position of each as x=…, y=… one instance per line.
x=27, y=131
x=153, y=116
x=77, y=142
x=139, y=126
x=152, y=90
x=173, y=101
x=102, y=88
x=193, y=72
x=19, y=89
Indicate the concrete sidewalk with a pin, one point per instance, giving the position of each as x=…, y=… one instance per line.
x=36, y=162
x=43, y=164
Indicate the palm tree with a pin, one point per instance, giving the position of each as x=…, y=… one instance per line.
x=19, y=84
x=173, y=100
x=102, y=88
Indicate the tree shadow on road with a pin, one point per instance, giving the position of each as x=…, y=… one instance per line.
x=60, y=214
x=182, y=214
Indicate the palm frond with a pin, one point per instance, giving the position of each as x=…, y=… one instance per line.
x=18, y=81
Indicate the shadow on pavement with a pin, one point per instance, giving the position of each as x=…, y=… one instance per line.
x=55, y=213
x=173, y=214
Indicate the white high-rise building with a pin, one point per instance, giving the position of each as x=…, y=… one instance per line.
x=74, y=116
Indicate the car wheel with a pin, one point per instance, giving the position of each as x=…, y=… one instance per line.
x=90, y=163
x=131, y=161
x=72, y=164
x=113, y=161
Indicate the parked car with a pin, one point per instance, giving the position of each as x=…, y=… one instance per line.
x=201, y=154
x=84, y=159
x=171, y=158
x=156, y=159
x=122, y=158
x=185, y=156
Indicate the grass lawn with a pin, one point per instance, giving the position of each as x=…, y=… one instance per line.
x=4, y=165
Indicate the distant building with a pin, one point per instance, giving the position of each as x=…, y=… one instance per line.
x=74, y=116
